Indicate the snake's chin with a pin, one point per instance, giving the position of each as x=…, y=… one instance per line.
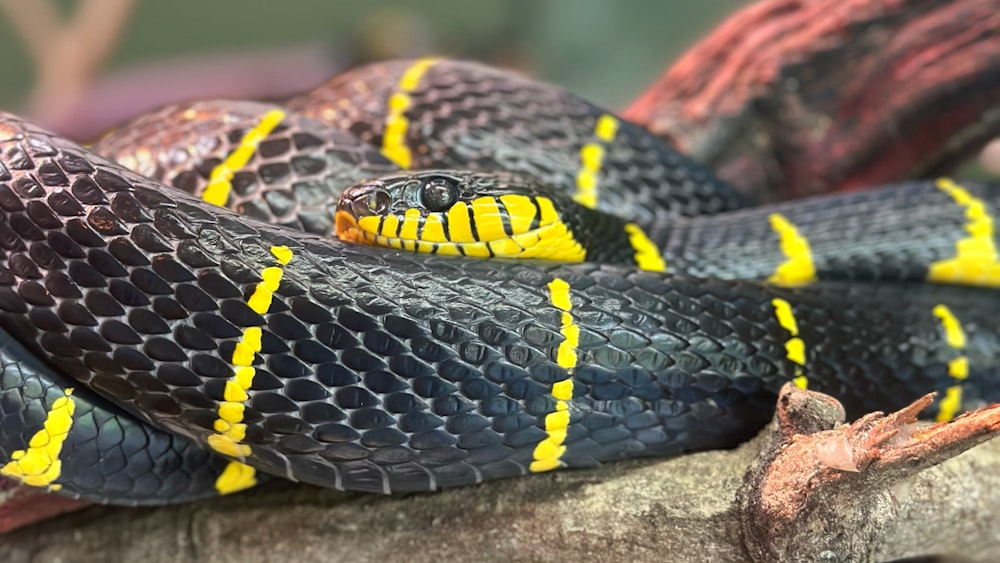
x=346, y=227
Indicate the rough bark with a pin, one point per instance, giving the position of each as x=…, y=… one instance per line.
x=797, y=97
x=783, y=496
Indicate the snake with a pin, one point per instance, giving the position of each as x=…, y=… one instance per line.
x=179, y=320
x=902, y=232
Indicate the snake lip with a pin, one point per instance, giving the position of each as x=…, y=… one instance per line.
x=345, y=225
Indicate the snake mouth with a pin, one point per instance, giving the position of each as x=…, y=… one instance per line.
x=346, y=227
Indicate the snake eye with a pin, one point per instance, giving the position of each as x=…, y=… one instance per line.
x=375, y=203
x=438, y=194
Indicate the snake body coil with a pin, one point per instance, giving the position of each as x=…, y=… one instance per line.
x=375, y=370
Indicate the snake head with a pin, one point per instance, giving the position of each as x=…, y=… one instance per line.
x=481, y=214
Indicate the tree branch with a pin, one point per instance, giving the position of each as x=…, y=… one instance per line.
x=793, y=97
x=859, y=492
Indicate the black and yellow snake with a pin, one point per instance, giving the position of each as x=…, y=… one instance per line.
x=157, y=348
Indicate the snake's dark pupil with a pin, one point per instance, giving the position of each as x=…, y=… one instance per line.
x=438, y=194
x=374, y=203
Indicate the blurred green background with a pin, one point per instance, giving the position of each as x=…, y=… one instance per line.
x=176, y=50
x=606, y=51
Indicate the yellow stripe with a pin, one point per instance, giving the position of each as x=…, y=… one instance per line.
x=795, y=347
x=394, y=145
x=546, y=211
x=521, y=212
x=235, y=477
x=433, y=229
x=39, y=465
x=647, y=256
x=410, y=224
x=976, y=260
x=591, y=159
x=958, y=368
x=229, y=427
x=220, y=180
x=489, y=221
x=390, y=226
x=548, y=452
x=798, y=268
x=459, y=225
x=553, y=242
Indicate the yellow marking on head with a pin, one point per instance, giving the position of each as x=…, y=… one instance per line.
x=976, y=260
x=554, y=242
x=235, y=477
x=548, y=452
x=505, y=247
x=521, y=211
x=394, y=145
x=795, y=347
x=369, y=223
x=546, y=211
x=476, y=249
x=489, y=220
x=798, y=267
x=39, y=465
x=459, y=224
x=647, y=256
x=448, y=249
x=958, y=368
x=221, y=177
x=591, y=160
x=433, y=229
x=390, y=226
x=229, y=426
x=550, y=240
x=410, y=224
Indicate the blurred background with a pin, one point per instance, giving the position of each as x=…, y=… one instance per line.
x=80, y=66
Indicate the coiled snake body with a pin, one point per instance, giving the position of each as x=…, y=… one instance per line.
x=238, y=344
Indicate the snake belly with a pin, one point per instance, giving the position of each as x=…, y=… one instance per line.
x=373, y=370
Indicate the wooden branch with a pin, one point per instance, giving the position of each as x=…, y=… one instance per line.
x=842, y=491
x=864, y=491
x=796, y=97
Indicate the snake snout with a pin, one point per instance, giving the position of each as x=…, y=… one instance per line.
x=369, y=198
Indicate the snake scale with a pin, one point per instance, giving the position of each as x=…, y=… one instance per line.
x=157, y=347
